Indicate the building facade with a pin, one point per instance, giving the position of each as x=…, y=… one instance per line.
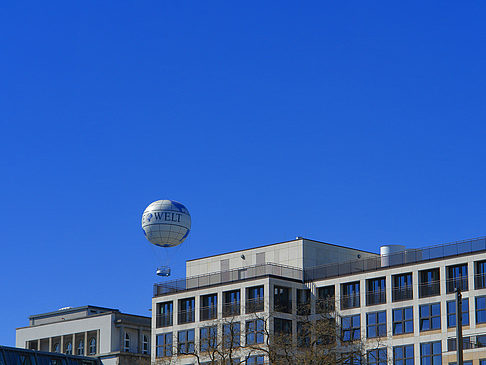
x=400, y=304
x=114, y=337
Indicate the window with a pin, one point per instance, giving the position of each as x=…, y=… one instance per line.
x=482, y=362
x=431, y=353
x=69, y=348
x=57, y=347
x=282, y=326
x=457, y=278
x=145, y=345
x=403, y=320
x=254, y=331
x=282, y=299
x=209, y=307
x=231, y=335
x=126, y=343
x=208, y=338
x=254, y=299
x=255, y=360
x=377, y=357
x=92, y=346
x=452, y=343
x=303, y=334
x=480, y=309
x=231, y=303
x=403, y=355
x=80, y=348
x=402, y=287
x=480, y=277
x=451, y=312
x=481, y=341
x=376, y=293
x=350, y=295
x=325, y=299
x=376, y=324
x=186, y=310
x=429, y=317
x=164, y=314
x=303, y=301
x=351, y=328
x=185, y=342
x=164, y=345
x=429, y=283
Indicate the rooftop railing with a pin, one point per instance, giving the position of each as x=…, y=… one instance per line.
x=216, y=278
x=396, y=259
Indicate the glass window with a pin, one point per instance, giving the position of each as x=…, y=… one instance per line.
x=480, y=309
x=480, y=279
x=377, y=357
x=429, y=283
x=376, y=324
x=92, y=346
x=186, y=310
x=351, y=328
x=185, y=342
x=255, y=331
x=481, y=341
x=457, y=278
x=80, y=348
x=376, y=292
x=350, y=295
x=402, y=320
x=231, y=303
x=145, y=345
x=231, y=335
x=209, y=307
x=403, y=355
x=431, y=353
x=429, y=316
x=402, y=287
x=164, y=345
x=254, y=299
x=451, y=312
x=208, y=338
x=255, y=360
x=452, y=343
x=303, y=301
x=304, y=334
x=325, y=299
x=69, y=348
x=164, y=314
x=282, y=299
x=282, y=326
x=126, y=343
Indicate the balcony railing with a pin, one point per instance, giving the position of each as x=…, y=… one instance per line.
x=480, y=281
x=350, y=301
x=396, y=259
x=186, y=316
x=457, y=283
x=207, y=313
x=402, y=293
x=164, y=320
x=254, y=305
x=231, y=309
x=283, y=306
x=376, y=297
x=325, y=305
x=429, y=289
x=216, y=278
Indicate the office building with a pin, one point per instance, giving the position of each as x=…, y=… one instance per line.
x=402, y=300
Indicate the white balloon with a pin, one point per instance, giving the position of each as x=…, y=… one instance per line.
x=166, y=223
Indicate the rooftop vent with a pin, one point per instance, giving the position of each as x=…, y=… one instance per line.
x=64, y=308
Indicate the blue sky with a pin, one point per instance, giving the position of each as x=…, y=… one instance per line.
x=347, y=122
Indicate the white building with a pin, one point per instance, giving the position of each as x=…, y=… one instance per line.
x=114, y=337
x=404, y=298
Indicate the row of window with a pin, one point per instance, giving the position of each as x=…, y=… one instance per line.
x=127, y=342
x=68, y=348
x=254, y=334
x=429, y=317
x=209, y=306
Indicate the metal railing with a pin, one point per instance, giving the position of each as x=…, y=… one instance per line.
x=350, y=301
x=480, y=281
x=402, y=293
x=459, y=282
x=375, y=297
x=164, y=320
x=254, y=305
x=186, y=316
x=209, y=312
x=396, y=259
x=429, y=289
x=231, y=309
x=216, y=278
